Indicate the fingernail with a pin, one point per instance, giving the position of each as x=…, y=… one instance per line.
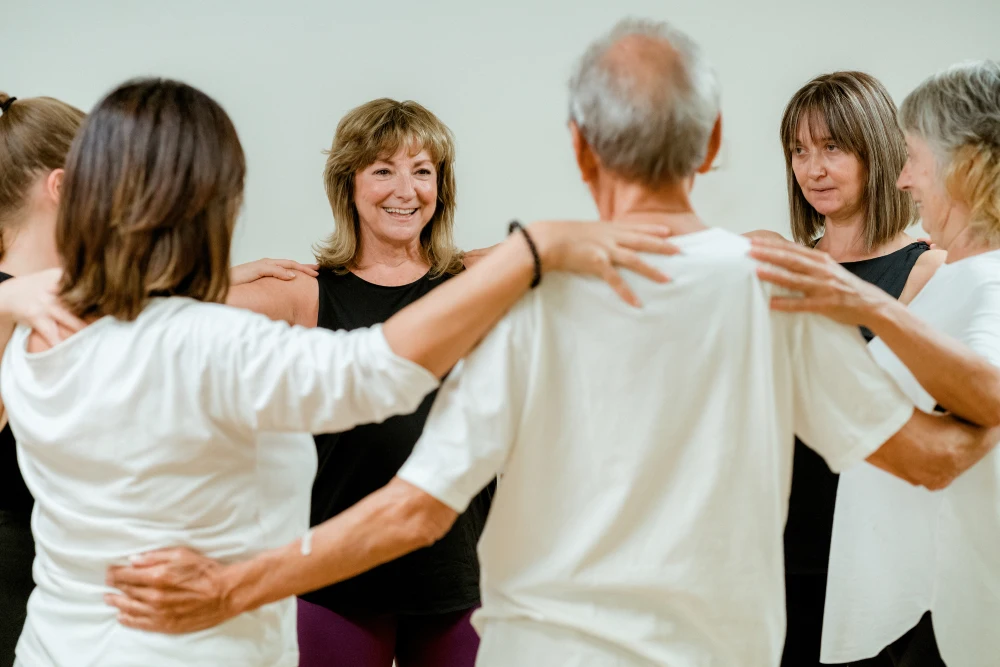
x=135, y=558
x=290, y=274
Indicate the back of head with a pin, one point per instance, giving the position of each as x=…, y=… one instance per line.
x=646, y=100
x=154, y=181
x=857, y=113
x=957, y=112
x=374, y=131
x=35, y=136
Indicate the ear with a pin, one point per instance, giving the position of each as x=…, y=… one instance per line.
x=585, y=158
x=53, y=185
x=714, y=144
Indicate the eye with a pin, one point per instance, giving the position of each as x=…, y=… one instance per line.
x=831, y=147
x=424, y=171
x=381, y=172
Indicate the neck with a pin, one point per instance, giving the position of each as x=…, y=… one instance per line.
x=376, y=252
x=843, y=239
x=619, y=200
x=967, y=244
x=29, y=247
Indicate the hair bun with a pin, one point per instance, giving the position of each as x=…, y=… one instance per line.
x=5, y=102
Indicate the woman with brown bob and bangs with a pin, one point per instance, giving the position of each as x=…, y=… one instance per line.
x=843, y=153
x=166, y=418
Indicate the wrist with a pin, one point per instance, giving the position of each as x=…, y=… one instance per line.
x=881, y=314
x=542, y=234
x=244, y=585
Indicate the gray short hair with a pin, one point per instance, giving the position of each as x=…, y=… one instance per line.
x=957, y=112
x=649, y=119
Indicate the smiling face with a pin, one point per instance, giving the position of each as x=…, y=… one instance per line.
x=832, y=180
x=921, y=178
x=396, y=196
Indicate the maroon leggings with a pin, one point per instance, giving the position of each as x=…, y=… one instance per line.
x=327, y=639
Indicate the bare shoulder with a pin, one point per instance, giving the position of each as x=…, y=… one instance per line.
x=295, y=301
x=927, y=264
x=764, y=234
x=470, y=257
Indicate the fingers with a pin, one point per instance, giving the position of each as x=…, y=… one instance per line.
x=120, y=576
x=787, y=279
x=129, y=605
x=308, y=269
x=627, y=259
x=621, y=288
x=642, y=242
x=48, y=330
x=799, y=305
x=647, y=228
x=67, y=319
x=786, y=258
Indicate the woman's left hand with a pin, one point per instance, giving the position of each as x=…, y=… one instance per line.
x=170, y=591
x=283, y=269
x=826, y=287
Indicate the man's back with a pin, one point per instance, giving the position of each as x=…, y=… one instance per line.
x=646, y=454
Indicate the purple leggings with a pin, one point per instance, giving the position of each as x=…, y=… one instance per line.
x=327, y=639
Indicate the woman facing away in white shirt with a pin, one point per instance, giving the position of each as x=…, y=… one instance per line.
x=165, y=418
x=910, y=569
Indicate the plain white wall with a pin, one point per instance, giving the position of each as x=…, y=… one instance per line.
x=286, y=71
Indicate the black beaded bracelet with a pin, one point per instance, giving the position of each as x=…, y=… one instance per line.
x=517, y=226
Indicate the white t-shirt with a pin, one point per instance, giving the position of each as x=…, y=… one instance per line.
x=646, y=455
x=898, y=550
x=174, y=430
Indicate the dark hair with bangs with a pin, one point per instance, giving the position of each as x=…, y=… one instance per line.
x=858, y=114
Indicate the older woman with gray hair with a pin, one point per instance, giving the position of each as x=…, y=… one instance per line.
x=903, y=558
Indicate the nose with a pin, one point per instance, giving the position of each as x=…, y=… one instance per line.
x=816, y=166
x=404, y=187
x=903, y=182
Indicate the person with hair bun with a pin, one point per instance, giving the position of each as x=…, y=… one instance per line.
x=910, y=570
x=35, y=136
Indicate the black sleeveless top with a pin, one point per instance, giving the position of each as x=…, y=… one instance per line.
x=809, y=529
x=438, y=579
x=14, y=496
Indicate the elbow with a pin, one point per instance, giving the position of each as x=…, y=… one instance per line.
x=426, y=519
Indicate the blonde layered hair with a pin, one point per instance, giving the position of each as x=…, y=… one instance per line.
x=860, y=116
x=958, y=113
x=377, y=130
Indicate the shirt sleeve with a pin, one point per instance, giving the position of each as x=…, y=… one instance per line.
x=473, y=424
x=846, y=407
x=269, y=376
x=982, y=329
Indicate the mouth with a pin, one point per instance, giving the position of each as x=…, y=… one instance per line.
x=400, y=213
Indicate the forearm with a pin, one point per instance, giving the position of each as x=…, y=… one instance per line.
x=960, y=380
x=445, y=325
x=389, y=523
x=932, y=450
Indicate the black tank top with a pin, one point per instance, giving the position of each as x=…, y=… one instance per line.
x=14, y=496
x=809, y=529
x=438, y=579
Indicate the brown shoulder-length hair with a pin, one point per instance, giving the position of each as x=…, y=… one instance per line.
x=374, y=131
x=858, y=113
x=153, y=183
x=35, y=136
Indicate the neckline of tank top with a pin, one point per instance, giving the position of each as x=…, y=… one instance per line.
x=367, y=283
x=909, y=246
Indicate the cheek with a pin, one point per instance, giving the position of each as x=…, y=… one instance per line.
x=370, y=194
x=426, y=193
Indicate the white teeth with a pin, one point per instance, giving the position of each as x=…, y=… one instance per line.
x=402, y=211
